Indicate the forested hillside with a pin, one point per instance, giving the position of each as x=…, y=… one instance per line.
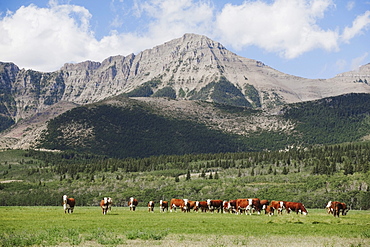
x=312, y=175
x=131, y=128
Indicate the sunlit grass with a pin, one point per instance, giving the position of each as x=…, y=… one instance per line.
x=27, y=226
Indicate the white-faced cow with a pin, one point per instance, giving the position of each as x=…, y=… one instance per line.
x=248, y=205
x=68, y=204
x=193, y=205
x=279, y=206
x=151, y=206
x=264, y=204
x=203, y=206
x=106, y=204
x=296, y=207
x=133, y=203
x=269, y=210
x=329, y=207
x=183, y=204
x=214, y=205
x=163, y=205
x=336, y=207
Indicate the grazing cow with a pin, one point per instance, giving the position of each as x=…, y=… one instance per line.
x=269, y=210
x=232, y=206
x=264, y=204
x=329, y=208
x=151, y=206
x=278, y=205
x=203, y=206
x=193, y=205
x=248, y=205
x=243, y=205
x=105, y=204
x=110, y=203
x=214, y=205
x=132, y=204
x=336, y=207
x=296, y=207
x=163, y=205
x=225, y=207
x=68, y=204
x=179, y=203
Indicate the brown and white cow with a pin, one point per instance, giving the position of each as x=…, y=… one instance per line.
x=336, y=207
x=328, y=208
x=264, y=204
x=296, y=207
x=151, y=206
x=269, y=210
x=132, y=203
x=106, y=204
x=68, y=204
x=279, y=206
x=248, y=205
x=214, y=205
x=183, y=204
x=163, y=205
x=243, y=205
x=203, y=206
x=193, y=205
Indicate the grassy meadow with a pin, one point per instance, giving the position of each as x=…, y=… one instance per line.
x=49, y=226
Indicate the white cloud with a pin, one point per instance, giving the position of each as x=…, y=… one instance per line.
x=358, y=25
x=286, y=27
x=45, y=38
x=42, y=38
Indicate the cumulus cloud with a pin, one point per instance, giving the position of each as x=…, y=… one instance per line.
x=287, y=27
x=359, y=24
x=45, y=38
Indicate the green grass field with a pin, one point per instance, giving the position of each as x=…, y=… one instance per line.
x=49, y=226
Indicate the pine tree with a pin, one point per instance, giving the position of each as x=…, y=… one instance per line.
x=188, y=176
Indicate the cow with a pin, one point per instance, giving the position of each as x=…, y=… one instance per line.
x=243, y=205
x=193, y=205
x=225, y=207
x=232, y=206
x=296, y=207
x=214, y=205
x=269, y=210
x=179, y=203
x=110, y=203
x=336, y=207
x=105, y=204
x=328, y=207
x=68, y=204
x=163, y=205
x=279, y=206
x=247, y=205
x=264, y=204
x=151, y=206
x=132, y=204
x=202, y=205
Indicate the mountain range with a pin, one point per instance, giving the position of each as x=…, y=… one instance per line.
x=192, y=79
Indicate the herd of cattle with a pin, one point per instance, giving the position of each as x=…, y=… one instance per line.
x=238, y=206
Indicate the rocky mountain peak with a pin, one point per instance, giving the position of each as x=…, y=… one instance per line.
x=190, y=67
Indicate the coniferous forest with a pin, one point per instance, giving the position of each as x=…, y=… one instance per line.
x=312, y=175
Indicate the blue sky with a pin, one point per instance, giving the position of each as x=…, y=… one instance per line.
x=308, y=38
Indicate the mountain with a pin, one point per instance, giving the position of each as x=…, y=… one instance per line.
x=124, y=127
x=192, y=67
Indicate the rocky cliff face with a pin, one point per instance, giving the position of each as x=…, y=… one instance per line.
x=191, y=67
